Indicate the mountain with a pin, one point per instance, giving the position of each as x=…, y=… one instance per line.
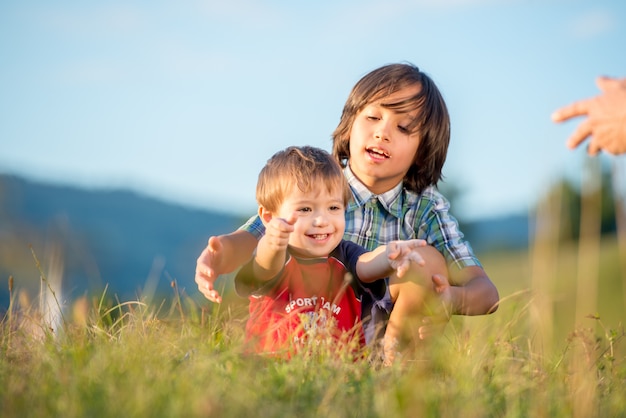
x=506, y=232
x=89, y=239
x=93, y=238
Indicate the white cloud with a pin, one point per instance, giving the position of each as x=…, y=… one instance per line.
x=80, y=21
x=592, y=24
x=255, y=13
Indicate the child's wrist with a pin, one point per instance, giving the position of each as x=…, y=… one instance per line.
x=455, y=302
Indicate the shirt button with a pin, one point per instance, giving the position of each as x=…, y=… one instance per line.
x=368, y=233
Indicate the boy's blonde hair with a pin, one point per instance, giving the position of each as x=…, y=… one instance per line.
x=432, y=122
x=303, y=167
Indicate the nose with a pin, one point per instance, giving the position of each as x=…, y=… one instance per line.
x=320, y=220
x=382, y=130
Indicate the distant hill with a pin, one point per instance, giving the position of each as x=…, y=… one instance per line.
x=508, y=232
x=99, y=237
x=127, y=241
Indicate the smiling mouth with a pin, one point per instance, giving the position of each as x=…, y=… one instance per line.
x=319, y=237
x=377, y=152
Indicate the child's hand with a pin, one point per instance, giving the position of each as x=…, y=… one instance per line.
x=208, y=268
x=440, y=315
x=277, y=231
x=401, y=253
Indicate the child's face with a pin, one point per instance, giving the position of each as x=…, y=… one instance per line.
x=320, y=222
x=381, y=149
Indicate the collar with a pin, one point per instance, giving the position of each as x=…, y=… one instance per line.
x=391, y=200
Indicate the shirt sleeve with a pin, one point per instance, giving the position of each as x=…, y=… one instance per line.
x=348, y=254
x=444, y=234
x=254, y=226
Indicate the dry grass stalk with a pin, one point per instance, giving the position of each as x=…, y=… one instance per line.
x=544, y=253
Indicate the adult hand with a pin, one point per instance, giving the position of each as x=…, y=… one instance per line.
x=606, y=118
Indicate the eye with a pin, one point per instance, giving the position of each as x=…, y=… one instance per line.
x=371, y=117
x=335, y=208
x=304, y=209
x=403, y=129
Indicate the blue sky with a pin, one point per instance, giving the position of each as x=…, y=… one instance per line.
x=185, y=101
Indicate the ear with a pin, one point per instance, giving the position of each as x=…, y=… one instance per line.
x=265, y=215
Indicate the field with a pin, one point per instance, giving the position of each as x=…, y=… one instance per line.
x=553, y=349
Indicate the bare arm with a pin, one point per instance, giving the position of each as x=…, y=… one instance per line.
x=473, y=293
x=271, y=252
x=387, y=259
x=223, y=254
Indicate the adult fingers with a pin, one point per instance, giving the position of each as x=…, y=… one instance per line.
x=578, y=108
x=582, y=132
x=609, y=83
x=594, y=147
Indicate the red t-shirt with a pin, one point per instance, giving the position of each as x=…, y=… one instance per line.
x=310, y=300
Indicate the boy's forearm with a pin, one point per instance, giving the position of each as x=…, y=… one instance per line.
x=238, y=247
x=374, y=265
x=478, y=296
x=268, y=261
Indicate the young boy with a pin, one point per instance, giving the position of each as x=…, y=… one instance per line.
x=297, y=281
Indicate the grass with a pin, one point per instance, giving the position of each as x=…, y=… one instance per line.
x=179, y=358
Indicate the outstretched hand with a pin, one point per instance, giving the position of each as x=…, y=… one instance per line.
x=605, y=119
x=400, y=254
x=208, y=268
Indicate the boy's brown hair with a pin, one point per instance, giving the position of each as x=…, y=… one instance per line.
x=303, y=167
x=432, y=121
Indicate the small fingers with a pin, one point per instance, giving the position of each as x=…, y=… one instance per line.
x=440, y=283
x=292, y=219
x=205, y=286
x=210, y=293
x=214, y=244
x=416, y=257
x=286, y=225
x=427, y=330
x=214, y=296
x=401, y=270
x=393, y=250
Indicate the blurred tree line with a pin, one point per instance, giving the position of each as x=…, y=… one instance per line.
x=598, y=189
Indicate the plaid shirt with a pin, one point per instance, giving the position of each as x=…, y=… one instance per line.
x=399, y=214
